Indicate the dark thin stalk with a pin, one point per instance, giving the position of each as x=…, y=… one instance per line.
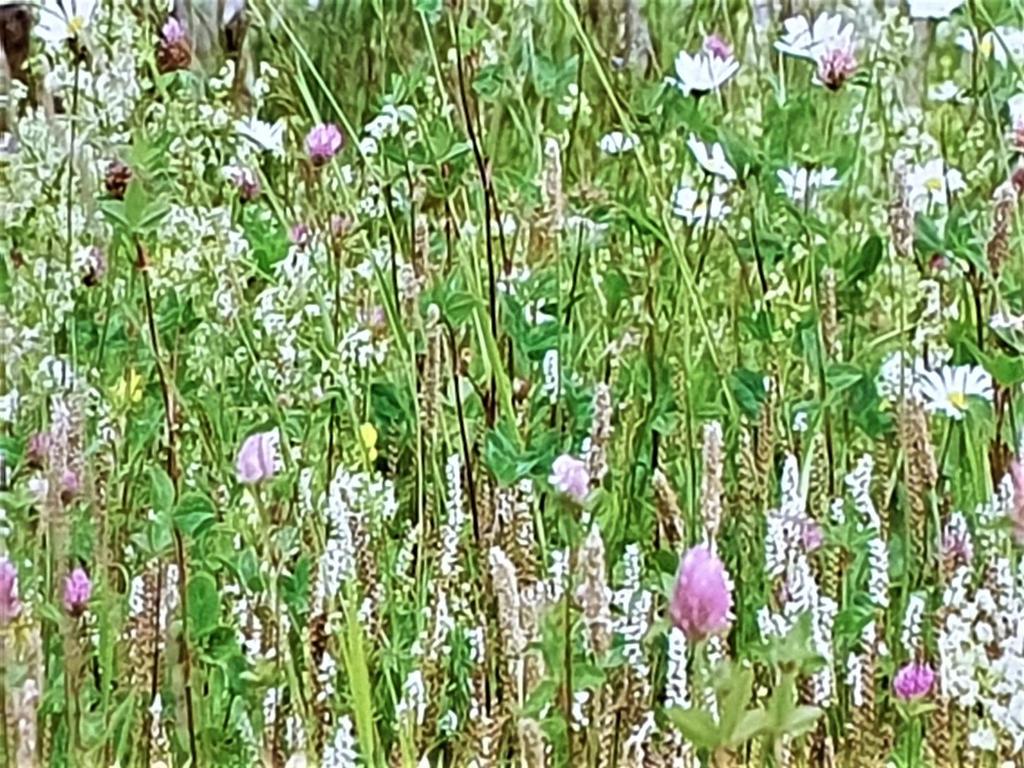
x=485, y=181
x=464, y=435
x=172, y=472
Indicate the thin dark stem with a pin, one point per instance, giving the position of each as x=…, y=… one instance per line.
x=464, y=435
x=485, y=181
x=172, y=472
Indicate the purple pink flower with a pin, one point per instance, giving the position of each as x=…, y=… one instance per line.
x=259, y=458
x=913, y=681
x=570, y=476
x=323, y=142
x=245, y=181
x=172, y=32
x=300, y=234
x=77, y=591
x=702, y=598
x=717, y=47
x=70, y=485
x=811, y=536
x=10, y=605
x=835, y=67
x=37, y=452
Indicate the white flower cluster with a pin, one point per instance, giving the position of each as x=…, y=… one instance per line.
x=340, y=751
x=451, y=529
x=413, y=704
x=352, y=499
x=780, y=544
x=387, y=124
x=981, y=652
x=634, y=607
x=910, y=636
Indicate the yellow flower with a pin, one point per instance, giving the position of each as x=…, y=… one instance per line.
x=368, y=435
x=128, y=390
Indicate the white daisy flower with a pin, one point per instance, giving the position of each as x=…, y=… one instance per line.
x=711, y=160
x=232, y=10
x=932, y=9
x=1015, y=106
x=798, y=183
x=617, y=142
x=1003, y=44
x=932, y=183
x=1003, y=321
x=946, y=391
x=700, y=206
x=806, y=41
x=702, y=72
x=63, y=20
x=267, y=137
x=947, y=90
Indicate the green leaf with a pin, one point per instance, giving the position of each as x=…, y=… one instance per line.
x=1007, y=370
x=194, y=513
x=753, y=722
x=135, y=202
x=748, y=389
x=842, y=376
x=502, y=452
x=429, y=8
x=927, y=238
x=697, y=726
x=458, y=307
x=203, y=605
x=866, y=262
x=161, y=490
x=734, y=702
x=114, y=211
x=801, y=720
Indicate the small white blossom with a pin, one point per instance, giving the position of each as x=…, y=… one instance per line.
x=617, y=142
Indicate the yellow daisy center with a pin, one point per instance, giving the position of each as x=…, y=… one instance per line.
x=75, y=26
x=934, y=183
x=959, y=400
x=986, y=47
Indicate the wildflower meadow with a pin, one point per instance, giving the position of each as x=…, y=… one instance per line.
x=528, y=383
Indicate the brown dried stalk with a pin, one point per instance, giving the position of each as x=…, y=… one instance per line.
x=593, y=593
x=670, y=516
x=711, y=479
x=901, y=217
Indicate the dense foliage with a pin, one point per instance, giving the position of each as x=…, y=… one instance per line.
x=535, y=383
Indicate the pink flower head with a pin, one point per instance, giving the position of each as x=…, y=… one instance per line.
x=717, y=47
x=95, y=267
x=1017, y=510
x=300, y=234
x=172, y=32
x=570, y=476
x=70, y=486
x=702, y=598
x=835, y=67
x=340, y=224
x=323, y=143
x=245, y=181
x=811, y=536
x=259, y=458
x=37, y=452
x=938, y=263
x=913, y=681
x=956, y=542
x=77, y=591
x=10, y=605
